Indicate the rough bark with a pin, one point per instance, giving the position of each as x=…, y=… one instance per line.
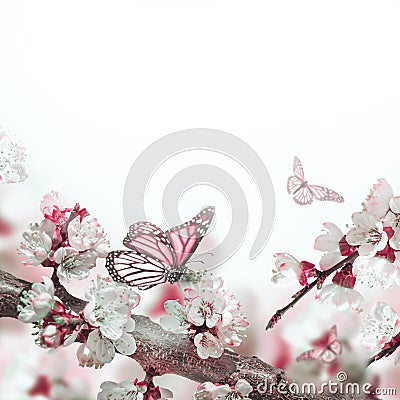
x=160, y=352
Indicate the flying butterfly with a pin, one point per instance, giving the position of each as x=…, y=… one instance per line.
x=304, y=193
x=326, y=348
x=156, y=256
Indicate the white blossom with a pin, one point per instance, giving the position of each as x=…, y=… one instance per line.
x=37, y=242
x=377, y=203
x=393, y=220
x=340, y=297
x=103, y=349
x=377, y=271
x=209, y=391
x=368, y=234
x=86, y=233
x=289, y=270
x=208, y=345
x=177, y=320
x=378, y=328
x=87, y=358
x=329, y=244
x=206, y=308
x=119, y=391
x=37, y=301
x=12, y=160
x=231, y=329
x=110, y=306
x=73, y=264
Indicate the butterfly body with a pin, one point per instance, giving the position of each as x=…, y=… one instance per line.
x=156, y=256
x=302, y=186
x=176, y=274
x=303, y=193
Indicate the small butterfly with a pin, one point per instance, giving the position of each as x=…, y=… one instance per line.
x=158, y=257
x=327, y=348
x=303, y=193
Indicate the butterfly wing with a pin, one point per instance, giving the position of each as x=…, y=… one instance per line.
x=322, y=193
x=150, y=240
x=331, y=335
x=298, y=171
x=334, y=346
x=303, y=196
x=135, y=269
x=313, y=354
x=296, y=180
x=293, y=184
x=185, y=238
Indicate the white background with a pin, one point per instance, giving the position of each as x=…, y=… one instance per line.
x=86, y=86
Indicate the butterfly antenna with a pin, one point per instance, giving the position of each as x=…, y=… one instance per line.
x=201, y=254
x=195, y=261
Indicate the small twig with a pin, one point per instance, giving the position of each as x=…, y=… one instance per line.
x=322, y=275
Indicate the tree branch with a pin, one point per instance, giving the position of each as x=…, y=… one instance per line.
x=301, y=293
x=160, y=352
x=388, y=350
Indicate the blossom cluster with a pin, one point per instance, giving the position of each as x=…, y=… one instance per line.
x=110, y=323
x=12, y=159
x=68, y=239
x=375, y=236
x=372, y=250
x=210, y=314
x=105, y=325
x=209, y=391
x=133, y=391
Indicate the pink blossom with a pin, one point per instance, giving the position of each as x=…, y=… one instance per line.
x=53, y=209
x=377, y=202
x=60, y=327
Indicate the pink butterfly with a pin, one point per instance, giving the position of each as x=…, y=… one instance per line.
x=303, y=193
x=158, y=256
x=327, y=348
